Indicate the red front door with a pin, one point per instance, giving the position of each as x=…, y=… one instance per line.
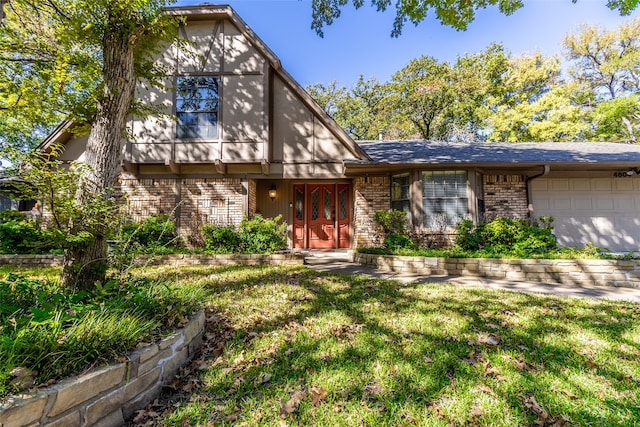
x=321, y=216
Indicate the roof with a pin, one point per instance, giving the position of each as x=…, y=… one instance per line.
x=500, y=154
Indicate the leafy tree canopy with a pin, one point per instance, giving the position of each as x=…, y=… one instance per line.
x=456, y=14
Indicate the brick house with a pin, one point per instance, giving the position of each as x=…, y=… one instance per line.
x=240, y=136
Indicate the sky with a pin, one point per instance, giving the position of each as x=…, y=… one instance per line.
x=359, y=42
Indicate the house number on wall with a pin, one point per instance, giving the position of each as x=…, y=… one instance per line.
x=622, y=174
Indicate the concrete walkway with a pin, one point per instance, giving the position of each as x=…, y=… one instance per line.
x=340, y=262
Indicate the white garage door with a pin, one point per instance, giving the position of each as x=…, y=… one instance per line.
x=605, y=211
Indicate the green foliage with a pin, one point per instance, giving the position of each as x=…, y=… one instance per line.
x=223, y=239
x=152, y=233
x=260, y=235
x=398, y=241
x=56, y=332
x=392, y=221
x=24, y=236
x=257, y=235
x=503, y=236
x=51, y=68
x=12, y=215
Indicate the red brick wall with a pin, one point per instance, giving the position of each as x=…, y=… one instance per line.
x=192, y=201
x=505, y=196
x=371, y=194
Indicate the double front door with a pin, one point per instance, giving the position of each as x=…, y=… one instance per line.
x=321, y=216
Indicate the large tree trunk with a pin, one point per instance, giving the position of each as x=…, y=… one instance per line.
x=83, y=267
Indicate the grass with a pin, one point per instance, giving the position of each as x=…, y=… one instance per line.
x=307, y=348
x=48, y=332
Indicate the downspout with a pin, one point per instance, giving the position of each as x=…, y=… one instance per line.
x=545, y=171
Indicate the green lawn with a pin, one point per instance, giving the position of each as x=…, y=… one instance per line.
x=307, y=348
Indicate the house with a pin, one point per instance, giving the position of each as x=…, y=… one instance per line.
x=240, y=136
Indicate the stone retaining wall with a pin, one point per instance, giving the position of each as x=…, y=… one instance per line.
x=176, y=259
x=109, y=395
x=32, y=260
x=622, y=273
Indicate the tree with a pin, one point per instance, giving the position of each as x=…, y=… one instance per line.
x=456, y=14
x=536, y=105
x=355, y=109
x=608, y=62
x=420, y=95
x=86, y=56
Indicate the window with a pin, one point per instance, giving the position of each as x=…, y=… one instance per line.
x=444, y=197
x=197, y=106
x=400, y=199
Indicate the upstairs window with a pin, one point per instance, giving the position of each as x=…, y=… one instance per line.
x=197, y=106
x=444, y=198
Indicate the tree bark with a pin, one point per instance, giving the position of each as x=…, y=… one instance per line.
x=84, y=266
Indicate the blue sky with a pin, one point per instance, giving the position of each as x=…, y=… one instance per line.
x=359, y=41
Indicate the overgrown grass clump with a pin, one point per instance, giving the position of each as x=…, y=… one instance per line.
x=48, y=332
x=307, y=348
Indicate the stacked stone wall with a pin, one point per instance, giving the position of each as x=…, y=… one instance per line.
x=617, y=273
x=371, y=194
x=176, y=259
x=505, y=196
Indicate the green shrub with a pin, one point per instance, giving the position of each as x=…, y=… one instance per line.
x=220, y=239
x=261, y=235
x=393, y=221
x=156, y=231
x=11, y=215
x=506, y=236
x=24, y=236
x=398, y=241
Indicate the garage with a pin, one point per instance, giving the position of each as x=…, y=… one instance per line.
x=602, y=208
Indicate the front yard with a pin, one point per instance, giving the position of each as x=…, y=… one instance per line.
x=291, y=346
x=306, y=348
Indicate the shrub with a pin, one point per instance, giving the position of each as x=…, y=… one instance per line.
x=398, y=241
x=505, y=236
x=22, y=236
x=262, y=235
x=393, y=221
x=220, y=239
x=11, y=215
x=156, y=231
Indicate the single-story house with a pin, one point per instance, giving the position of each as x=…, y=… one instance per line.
x=240, y=136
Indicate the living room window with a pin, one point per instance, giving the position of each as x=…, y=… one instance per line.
x=400, y=194
x=444, y=198
x=197, y=106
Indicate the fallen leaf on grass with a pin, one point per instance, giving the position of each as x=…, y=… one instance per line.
x=292, y=404
x=591, y=364
x=437, y=410
x=317, y=395
x=265, y=378
x=531, y=403
x=477, y=412
x=568, y=393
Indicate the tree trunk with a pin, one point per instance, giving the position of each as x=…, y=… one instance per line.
x=84, y=266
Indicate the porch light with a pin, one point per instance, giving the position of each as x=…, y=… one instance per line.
x=272, y=192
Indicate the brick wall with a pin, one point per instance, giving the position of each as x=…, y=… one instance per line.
x=193, y=201
x=505, y=196
x=371, y=194
x=253, y=197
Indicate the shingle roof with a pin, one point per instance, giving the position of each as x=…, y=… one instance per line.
x=442, y=153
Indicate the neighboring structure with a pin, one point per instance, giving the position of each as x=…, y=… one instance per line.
x=240, y=136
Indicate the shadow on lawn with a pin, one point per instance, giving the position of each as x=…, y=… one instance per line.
x=393, y=354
